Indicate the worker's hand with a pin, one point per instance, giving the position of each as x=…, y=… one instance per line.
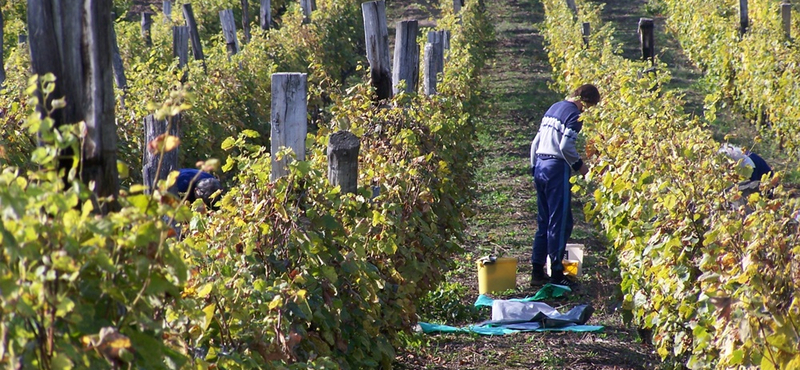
x=583, y=170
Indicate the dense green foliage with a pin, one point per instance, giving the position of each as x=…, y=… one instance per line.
x=287, y=273
x=67, y=275
x=716, y=283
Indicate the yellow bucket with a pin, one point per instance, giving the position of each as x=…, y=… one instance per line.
x=573, y=261
x=571, y=267
x=496, y=274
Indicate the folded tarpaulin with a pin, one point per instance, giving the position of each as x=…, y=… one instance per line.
x=511, y=314
x=521, y=315
x=502, y=330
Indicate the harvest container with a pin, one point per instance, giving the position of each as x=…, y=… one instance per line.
x=496, y=274
x=573, y=261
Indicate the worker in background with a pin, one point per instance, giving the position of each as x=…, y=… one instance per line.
x=746, y=158
x=197, y=184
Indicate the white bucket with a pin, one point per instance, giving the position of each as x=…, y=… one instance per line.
x=574, y=254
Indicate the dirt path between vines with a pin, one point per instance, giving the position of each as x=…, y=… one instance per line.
x=505, y=221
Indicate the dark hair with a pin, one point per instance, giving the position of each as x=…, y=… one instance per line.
x=587, y=93
x=205, y=188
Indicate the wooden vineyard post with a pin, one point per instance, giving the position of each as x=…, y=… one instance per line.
x=786, y=17
x=229, y=31
x=308, y=7
x=572, y=6
x=744, y=20
x=457, y=4
x=194, y=34
x=246, y=21
x=147, y=22
x=289, y=119
x=22, y=39
x=79, y=56
x=151, y=172
x=116, y=62
x=440, y=41
x=343, y=148
x=586, y=31
x=646, y=38
x=166, y=7
x=265, y=15
x=2, y=63
x=406, y=57
x=442, y=37
x=376, y=35
x=180, y=44
x=431, y=62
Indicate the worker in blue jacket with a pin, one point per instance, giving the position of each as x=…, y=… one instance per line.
x=749, y=159
x=198, y=185
x=554, y=156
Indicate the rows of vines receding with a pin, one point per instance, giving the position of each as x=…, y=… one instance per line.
x=716, y=285
x=758, y=70
x=286, y=274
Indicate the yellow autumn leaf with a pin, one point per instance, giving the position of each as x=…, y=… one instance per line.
x=277, y=301
x=204, y=290
x=119, y=342
x=171, y=142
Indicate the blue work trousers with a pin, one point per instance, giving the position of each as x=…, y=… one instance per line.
x=553, y=195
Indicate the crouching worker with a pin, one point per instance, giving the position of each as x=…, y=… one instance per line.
x=199, y=185
x=747, y=159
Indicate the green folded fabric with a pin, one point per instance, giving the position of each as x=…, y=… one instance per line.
x=482, y=330
x=549, y=291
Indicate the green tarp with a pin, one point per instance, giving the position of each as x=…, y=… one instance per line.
x=524, y=315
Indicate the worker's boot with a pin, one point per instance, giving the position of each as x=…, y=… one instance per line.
x=538, y=276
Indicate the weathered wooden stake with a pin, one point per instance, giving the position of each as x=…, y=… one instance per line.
x=442, y=37
x=308, y=6
x=572, y=6
x=786, y=16
x=646, y=38
x=152, y=129
x=246, y=21
x=229, y=31
x=22, y=39
x=265, y=15
x=406, y=57
x=439, y=39
x=194, y=34
x=166, y=7
x=343, y=148
x=376, y=35
x=147, y=22
x=180, y=44
x=2, y=63
x=116, y=61
x=79, y=55
x=457, y=4
x=289, y=119
x=431, y=61
x=586, y=31
x=744, y=20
